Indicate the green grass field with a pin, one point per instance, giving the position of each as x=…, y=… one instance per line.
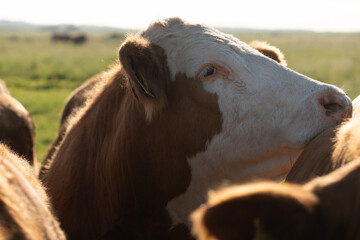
x=42, y=74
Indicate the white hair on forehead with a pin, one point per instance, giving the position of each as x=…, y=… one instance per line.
x=188, y=46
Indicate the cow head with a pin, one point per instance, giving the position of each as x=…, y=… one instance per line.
x=187, y=108
x=268, y=112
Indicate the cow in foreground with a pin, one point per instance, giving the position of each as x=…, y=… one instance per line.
x=327, y=207
x=186, y=108
x=83, y=93
x=324, y=153
x=16, y=126
x=24, y=210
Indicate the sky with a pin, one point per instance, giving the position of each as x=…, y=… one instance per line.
x=316, y=15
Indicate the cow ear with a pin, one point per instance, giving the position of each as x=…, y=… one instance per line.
x=145, y=65
x=264, y=212
x=269, y=51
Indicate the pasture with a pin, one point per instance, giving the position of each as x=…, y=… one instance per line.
x=41, y=74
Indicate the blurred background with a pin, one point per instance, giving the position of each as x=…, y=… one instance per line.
x=48, y=48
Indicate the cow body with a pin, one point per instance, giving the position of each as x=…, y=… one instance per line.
x=16, y=126
x=24, y=210
x=325, y=208
x=179, y=115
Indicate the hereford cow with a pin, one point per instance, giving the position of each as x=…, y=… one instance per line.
x=324, y=153
x=328, y=207
x=16, y=126
x=24, y=211
x=187, y=107
x=81, y=94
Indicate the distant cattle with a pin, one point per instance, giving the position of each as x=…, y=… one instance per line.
x=186, y=108
x=16, y=126
x=66, y=37
x=328, y=207
x=79, y=39
x=60, y=37
x=24, y=210
x=324, y=153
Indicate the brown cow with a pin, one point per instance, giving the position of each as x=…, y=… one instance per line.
x=322, y=155
x=24, y=211
x=328, y=207
x=187, y=107
x=81, y=94
x=16, y=126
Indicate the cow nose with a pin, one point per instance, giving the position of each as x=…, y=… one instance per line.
x=337, y=106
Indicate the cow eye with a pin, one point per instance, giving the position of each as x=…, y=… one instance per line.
x=208, y=71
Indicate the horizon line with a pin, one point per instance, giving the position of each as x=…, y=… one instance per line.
x=109, y=27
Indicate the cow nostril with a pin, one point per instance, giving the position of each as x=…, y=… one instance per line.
x=332, y=108
x=336, y=105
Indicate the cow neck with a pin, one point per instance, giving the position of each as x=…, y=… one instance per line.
x=113, y=161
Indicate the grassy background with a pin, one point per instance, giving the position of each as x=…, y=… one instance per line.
x=42, y=74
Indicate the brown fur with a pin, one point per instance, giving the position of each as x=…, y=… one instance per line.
x=121, y=161
x=79, y=96
x=326, y=152
x=270, y=51
x=315, y=160
x=16, y=126
x=24, y=211
x=326, y=208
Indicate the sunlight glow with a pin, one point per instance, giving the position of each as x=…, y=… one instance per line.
x=319, y=15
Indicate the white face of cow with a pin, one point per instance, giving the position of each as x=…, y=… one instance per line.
x=269, y=112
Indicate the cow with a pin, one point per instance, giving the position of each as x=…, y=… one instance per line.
x=17, y=129
x=60, y=37
x=186, y=107
x=327, y=207
x=24, y=206
x=79, y=39
x=322, y=155
x=81, y=94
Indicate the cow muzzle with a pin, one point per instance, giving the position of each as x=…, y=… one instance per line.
x=336, y=106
